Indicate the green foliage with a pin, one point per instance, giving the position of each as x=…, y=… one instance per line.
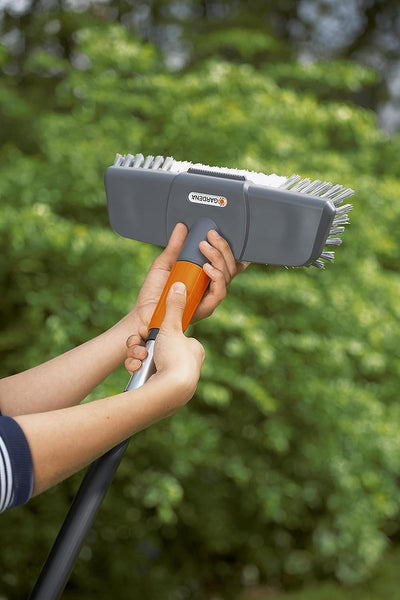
x=326, y=79
x=237, y=44
x=385, y=586
x=287, y=459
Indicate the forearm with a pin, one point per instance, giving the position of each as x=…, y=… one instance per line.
x=65, y=440
x=66, y=379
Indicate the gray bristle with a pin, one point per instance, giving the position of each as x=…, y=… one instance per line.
x=336, y=230
x=303, y=183
x=326, y=185
x=139, y=158
x=167, y=163
x=343, y=209
x=333, y=241
x=332, y=191
x=342, y=196
x=328, y=255
x=341, y=220
x=127, y=161
x=157, y=162
x=118, y=160
x=319, y=264
x=310, y=189
x=289, y=182
x=148, y=162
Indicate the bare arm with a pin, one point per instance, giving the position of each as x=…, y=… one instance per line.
x=66, y=379
x=66, y=440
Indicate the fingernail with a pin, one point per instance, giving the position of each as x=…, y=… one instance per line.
x=214, y=234
x=205, y=245
x=179, y=287
x=245, y=263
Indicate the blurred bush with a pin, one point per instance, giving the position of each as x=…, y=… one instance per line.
x=286, y=463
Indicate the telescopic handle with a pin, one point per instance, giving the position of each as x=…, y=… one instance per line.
x=60, y=562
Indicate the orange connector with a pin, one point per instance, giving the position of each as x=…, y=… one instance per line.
x=196, y=282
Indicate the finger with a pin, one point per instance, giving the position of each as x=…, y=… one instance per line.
x=139, y=352
x=222, y=245
x=216, y=259
x=133, y=340
x=171, y=252
x=216, y=291
x=143, y=332
x=132, y=364
x=175, y=305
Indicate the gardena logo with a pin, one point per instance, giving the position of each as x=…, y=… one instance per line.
x=200, y=198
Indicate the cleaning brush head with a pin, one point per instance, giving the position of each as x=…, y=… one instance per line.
x=266, y=218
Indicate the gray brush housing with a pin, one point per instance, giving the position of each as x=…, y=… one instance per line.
x=262, y=224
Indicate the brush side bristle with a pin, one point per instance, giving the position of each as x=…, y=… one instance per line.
x=327, y=191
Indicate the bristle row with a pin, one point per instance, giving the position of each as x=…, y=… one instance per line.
x=138, y=161
x=175, y=166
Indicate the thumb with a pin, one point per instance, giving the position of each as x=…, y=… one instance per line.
x=175, y=306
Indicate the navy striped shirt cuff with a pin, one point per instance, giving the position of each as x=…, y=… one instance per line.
x=16, y=467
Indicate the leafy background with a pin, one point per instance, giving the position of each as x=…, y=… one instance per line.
x=285, y=466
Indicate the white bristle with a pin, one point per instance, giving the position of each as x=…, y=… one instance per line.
x=259, y=178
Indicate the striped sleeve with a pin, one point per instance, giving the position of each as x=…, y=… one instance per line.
x=16, y=468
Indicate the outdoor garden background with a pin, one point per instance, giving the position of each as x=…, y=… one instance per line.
x=284, y=469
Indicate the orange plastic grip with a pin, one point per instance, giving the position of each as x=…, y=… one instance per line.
x=196, y=282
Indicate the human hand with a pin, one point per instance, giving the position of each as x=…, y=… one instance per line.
x=178, y=359
x=221, y=269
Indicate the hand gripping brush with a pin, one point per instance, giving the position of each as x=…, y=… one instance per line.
x=265, y=219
